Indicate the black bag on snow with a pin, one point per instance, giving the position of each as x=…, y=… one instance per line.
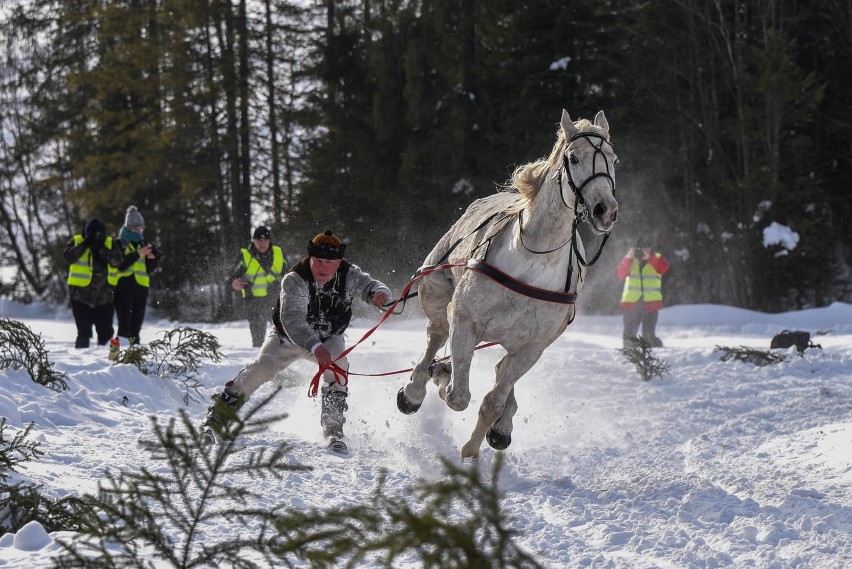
x=798, y=338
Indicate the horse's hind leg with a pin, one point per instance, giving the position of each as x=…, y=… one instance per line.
x=499, y=436
x=410, y=397
x=509, y=370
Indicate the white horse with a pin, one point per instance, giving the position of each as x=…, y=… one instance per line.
x=508, y=272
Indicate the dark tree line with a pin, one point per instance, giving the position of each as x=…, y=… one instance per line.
x=381, y=119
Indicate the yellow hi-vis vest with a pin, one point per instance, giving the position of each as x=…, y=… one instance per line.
x=257, y=277
x=80, y=271
x=642, y=284
x=139, y=269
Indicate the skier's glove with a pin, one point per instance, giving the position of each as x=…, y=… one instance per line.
x=322, y=355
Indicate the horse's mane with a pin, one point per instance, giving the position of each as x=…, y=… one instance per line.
x=528, y=178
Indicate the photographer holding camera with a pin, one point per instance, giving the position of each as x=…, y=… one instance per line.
x=642, y=271
x=134, y=280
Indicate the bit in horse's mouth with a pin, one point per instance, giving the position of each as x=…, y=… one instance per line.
x=597, y=229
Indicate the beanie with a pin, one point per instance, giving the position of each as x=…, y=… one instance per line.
x=133, y=218
x=94, y=226
x=262, y=233
x=326, y=246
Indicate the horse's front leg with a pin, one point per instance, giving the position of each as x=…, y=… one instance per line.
x=456, y=391
x=509, y=370
x=411, y=396
x=434, y=296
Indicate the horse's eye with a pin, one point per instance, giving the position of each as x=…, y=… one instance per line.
x=615, y=162
x=573, y=159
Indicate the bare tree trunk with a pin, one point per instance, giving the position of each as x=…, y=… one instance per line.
x=244, y=196
x=273, y=119
x=239, y=200
x=222, y=201
x=468, y=63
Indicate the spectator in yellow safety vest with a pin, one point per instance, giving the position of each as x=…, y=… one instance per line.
x=93, y=270
x=134, y=276
x=257, y=275
x=642, y=271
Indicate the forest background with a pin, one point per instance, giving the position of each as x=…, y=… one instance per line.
x=383, y=119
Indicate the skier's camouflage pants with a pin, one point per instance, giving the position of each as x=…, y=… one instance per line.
x=276, y=355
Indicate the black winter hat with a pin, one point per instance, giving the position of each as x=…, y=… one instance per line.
x=94, y=226
x=262, y=232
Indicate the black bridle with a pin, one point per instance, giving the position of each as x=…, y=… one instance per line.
x=581, y=209
x=578, y=196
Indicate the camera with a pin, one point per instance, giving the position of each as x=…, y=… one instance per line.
x=155, y=250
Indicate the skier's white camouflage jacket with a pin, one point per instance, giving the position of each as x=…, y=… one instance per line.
x=295, y=300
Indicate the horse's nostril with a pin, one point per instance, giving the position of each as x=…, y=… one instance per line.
x=599, y=211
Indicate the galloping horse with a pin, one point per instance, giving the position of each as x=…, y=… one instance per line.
x=508, y=272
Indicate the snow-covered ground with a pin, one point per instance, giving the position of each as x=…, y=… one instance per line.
x=718, y=464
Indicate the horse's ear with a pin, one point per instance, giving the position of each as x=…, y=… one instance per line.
x=600, y=120
x=568, y=125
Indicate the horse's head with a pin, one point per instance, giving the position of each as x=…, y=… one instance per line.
x=589, y=164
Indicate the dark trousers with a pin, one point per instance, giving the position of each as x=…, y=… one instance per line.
x=259, y=312
x=85, y=317
x=648, y=320
x=131, y=299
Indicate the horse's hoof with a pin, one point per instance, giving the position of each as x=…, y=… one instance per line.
x=404, y=405
x=497, y=440
x=457, y=402
x=469, y=451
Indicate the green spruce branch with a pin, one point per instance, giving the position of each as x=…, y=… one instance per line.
x=754, y=356
x=161, y=514
x=456, y=522
x=21, y=502
x=640, y=353
x=20, y=348
x=177, y=355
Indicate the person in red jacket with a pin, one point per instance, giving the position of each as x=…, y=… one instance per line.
x=642, y=271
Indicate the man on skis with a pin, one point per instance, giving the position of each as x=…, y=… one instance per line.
x=310, y=317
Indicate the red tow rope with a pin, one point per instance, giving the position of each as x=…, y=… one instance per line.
x=340, y=374
x=445, y=358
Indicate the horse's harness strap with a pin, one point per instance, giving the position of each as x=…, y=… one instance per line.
x=524, y=245
x=515, y=285
x=458, y=242
x=441, y=265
